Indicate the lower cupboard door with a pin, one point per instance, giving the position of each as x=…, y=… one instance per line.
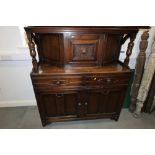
x=56, y=105
x=104, y=102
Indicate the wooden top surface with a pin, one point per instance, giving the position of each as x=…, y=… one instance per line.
x=107, y=69
x=97, y=29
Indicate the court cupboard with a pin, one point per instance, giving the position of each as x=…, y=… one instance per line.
x=79, y=75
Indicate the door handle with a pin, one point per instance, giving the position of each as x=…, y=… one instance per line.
x=79, y=104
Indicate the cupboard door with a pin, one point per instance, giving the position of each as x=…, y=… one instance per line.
x=104, y=101
x=64, y=104
x=84, y=49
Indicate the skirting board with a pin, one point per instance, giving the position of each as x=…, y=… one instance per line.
x=18, y=103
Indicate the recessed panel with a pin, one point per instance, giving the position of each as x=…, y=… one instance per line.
x=84, y=49
x=84, y=52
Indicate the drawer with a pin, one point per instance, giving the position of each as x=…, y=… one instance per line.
x=56, y=82
x=84, y=49
x=78, y=82
x=106, y=80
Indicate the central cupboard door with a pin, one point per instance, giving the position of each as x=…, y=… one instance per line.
x=62, y=104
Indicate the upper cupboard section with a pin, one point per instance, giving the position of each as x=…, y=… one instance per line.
x=77, y=49
x=79, y=45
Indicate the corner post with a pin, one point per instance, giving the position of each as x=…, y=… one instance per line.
x=129, y=49
x=31, y=45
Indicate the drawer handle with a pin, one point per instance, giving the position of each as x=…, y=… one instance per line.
x=105, y=92
x=85, y=103
x=108, y=80
x=94, y=78
x=58, y=82
x=59, y=95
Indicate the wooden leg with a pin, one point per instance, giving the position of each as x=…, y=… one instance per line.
x=44, y=122
x=115, y=117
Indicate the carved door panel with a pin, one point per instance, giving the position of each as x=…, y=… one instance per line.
x=84, y=49
x=64, y=104
x=104, y=101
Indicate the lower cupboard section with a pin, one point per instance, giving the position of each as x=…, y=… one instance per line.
x=77, y=105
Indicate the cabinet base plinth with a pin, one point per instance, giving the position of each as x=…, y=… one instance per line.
x=51, y=120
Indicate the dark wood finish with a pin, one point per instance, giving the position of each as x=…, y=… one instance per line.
x=78, y=75
x=139, y=70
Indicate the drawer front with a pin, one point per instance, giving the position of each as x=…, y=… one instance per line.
x=103, y=80
x=84, y=49
x=57, y=83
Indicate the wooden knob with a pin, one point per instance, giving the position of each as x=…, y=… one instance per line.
x=58, y=82
x=79, y=104
x=85, y=103
x=83, y=50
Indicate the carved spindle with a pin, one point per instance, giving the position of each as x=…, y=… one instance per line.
x=31, y=45
x=139, y=69
x=129, y=49
x=124, y=38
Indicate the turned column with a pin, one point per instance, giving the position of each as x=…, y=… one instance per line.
x=139, y=69
x=146, y=82
x=31, y=45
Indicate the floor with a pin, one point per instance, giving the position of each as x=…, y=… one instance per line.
x=28, y=118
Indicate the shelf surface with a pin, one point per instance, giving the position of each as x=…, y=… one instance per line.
x=110, y=68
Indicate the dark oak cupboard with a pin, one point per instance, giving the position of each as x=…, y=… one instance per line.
x=78, y=74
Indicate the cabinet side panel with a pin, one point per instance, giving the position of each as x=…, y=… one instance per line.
x=51, y=49
x=113, y=47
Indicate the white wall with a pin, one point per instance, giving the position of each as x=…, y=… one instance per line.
x=10, y=38
x=15, y=66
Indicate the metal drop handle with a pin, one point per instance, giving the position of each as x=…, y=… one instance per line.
x=85, y=103
x=108, y=80
x=59, y=95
